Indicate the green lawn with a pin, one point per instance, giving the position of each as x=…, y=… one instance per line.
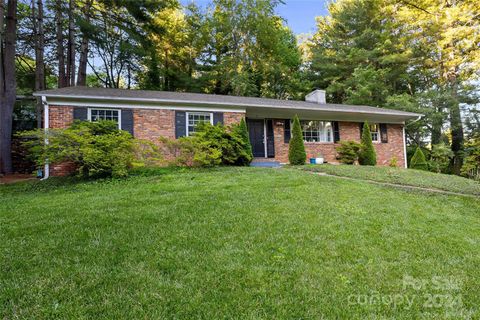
x=410, y=177
x=245, y=243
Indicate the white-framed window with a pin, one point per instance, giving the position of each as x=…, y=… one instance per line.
x=317, y=131
x=375, y=132
x=194, y=118
x=96, y=114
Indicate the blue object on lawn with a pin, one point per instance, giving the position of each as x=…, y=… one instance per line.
x=312, y=161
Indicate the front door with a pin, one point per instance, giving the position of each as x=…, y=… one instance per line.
x=256, y=131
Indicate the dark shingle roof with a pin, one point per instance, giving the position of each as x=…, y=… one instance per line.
x=211, y=99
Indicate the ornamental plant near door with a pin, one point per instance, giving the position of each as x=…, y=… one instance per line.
x=367, y=155
x=296, y=148
x=242, y=131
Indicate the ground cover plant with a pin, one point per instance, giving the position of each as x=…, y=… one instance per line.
x=411, y=177
x=234, y=242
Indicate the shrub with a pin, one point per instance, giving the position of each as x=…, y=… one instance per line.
x=218, y=144
x=418, y=160
x=180, y=150
x=471, y=166
x=393, y=162
x=367, y=155
x=296, y=148
x=348, y=151
x=210, y=146
x=242, y=131
x=440, y=158
x=147, y=154
x=97, y=149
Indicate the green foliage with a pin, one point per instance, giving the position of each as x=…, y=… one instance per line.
x=210, y=146
x=367, y=155
x=214, y=145
x=402, y=176
x=393, y=162
x=440, y=157
x=418, y=160
x=97, y=149
x=348, y=151
x=471, y=166
x=296, y=148
x=147, y=154
x=242, y=131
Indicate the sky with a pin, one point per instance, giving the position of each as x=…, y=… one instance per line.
x=300, y=14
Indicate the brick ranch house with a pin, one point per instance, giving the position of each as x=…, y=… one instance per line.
x=151, y=114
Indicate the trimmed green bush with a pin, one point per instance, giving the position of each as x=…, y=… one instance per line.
x=210, y=146
x=348, y=151
x=367, y=155
x=242, y=131
x=296, y=148
x=97, y=149
x=418, y=160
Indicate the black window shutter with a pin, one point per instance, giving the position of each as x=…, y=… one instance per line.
x=180, y=124
x=80, y=113
x=127, y=120
x=383, y=133
x=361, y=129
x=286, y=131
x=336, y=131
x=217, y=118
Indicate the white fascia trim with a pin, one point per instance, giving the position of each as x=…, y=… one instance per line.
x=139, y=106
x=379, y=112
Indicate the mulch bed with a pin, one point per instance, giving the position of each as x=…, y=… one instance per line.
x=16, y=177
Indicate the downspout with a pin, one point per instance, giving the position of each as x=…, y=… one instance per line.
x=404, y=147
x=46, y=124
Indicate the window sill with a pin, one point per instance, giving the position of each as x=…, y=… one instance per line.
x=316, y=143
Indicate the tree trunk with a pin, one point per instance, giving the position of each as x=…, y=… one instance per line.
x=62, y=80
x=437, y=123
x=457, y=132
x=82, y=64
x=71, y=45
x=39, y=58
x=8, y=85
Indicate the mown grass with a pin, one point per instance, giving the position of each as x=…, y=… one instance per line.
x=410, y=177
x=244, y=243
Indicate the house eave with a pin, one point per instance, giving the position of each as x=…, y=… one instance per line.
x=252, y=110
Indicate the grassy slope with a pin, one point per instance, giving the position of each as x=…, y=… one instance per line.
x=231, y=243
x=402, y=176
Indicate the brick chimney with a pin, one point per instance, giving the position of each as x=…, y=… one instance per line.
x=316, y=96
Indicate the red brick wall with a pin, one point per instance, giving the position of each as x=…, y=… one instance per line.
x=60, y=117
x=230, y=118
x=62, y=169
x=153, y=124
x=348, y=131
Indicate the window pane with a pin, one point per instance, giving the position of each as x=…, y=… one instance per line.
x=317, y=131
x=100, y=114
x=374, y=131
x=195, y=118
